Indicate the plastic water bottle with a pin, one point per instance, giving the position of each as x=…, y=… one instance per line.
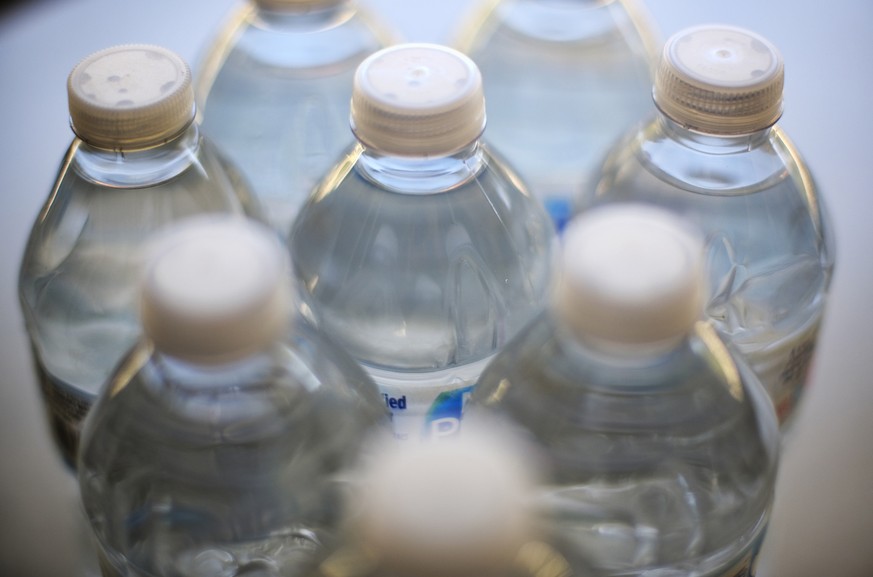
x=661, y=448
x=714, y=154
x=564, y=80
x=137, y=163
x=419, y=254
x=458, y=507
x=274, y=90
x=220, y=445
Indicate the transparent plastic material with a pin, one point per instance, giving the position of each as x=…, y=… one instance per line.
x=274, y=90
x=78, y=274
x=420, y=254
x=769, y=239
x=659, y=457
x=458, y=507
x=563, y=80
x=229, y=465
x=422, y=268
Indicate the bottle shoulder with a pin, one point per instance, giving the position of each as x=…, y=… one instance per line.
x=433, y=210
x=439, y=278
x=292, y=388
x=674, y=157
x=275, y=44
x=104, y=205
x=623, y=25
x=738, y=192
x=561, y=389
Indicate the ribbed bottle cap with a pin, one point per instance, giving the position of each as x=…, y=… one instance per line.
x=446, y=506
x=215, y=289
x=720, y=80
x=630, y=274
x=418, y=99
x=130, y=96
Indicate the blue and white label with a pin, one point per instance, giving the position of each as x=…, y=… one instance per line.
x=427, y=406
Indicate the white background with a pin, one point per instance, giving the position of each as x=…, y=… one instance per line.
x=822, y=525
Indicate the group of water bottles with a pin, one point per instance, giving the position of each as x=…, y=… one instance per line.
x=319, y=325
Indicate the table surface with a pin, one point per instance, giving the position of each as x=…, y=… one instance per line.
x=822, y=523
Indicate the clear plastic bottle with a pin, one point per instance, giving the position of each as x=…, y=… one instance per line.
x=564, y=79
x=455, y=508
x=274, y=90
x=222, y=442
x=420, y=254
x=137, y=163
x=660, y=447
x=714, y=155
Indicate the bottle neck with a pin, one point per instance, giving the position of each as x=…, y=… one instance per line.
x=303, y=17
x=421, y=174
x=635, y=356
x=713, y=144
x=138, y=168
x=198, y=376
x=561, y=20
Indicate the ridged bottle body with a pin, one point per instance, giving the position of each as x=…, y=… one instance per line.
x=230, y=469
x=563, y=80
x=656, y=463
x=79, y=272
x=422, y=269
x=770, y=252
x=274, y=90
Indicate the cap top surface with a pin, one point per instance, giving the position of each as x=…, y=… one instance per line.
x=454, y=504
x=720, y=79
x=130, y=96
x=630, y=274
x=214, y=287
x=412, y=99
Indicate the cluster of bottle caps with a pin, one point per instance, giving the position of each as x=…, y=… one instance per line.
x=323, y=322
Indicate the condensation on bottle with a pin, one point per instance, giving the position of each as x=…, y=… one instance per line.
x=457, y=507
x=419, y=254
x=274, y=89
x=223, y=441
x=659, y=446
x=137, y=163
x=714, y=154
x=564, y=80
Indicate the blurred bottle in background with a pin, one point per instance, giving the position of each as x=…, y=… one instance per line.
x=460, y=507
x=221, y=445
x=660, y=449
x=714, y=154
x=274, y=90
x=563, y=80
x=137, y=163
x=419, y=254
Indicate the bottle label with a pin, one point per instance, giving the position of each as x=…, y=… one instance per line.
x=784, y=370
x=427, y=406
x=560, y=209
x=744, y=568
x=747, y=566
x=66, y=412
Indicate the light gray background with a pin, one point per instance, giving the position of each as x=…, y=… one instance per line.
x=822, y=525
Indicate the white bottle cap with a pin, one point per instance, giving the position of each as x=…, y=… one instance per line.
x=130, y=97
x=449, y=507
x=720, y=80
x=216, y=288
x=630, y=274
x=418, y=100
